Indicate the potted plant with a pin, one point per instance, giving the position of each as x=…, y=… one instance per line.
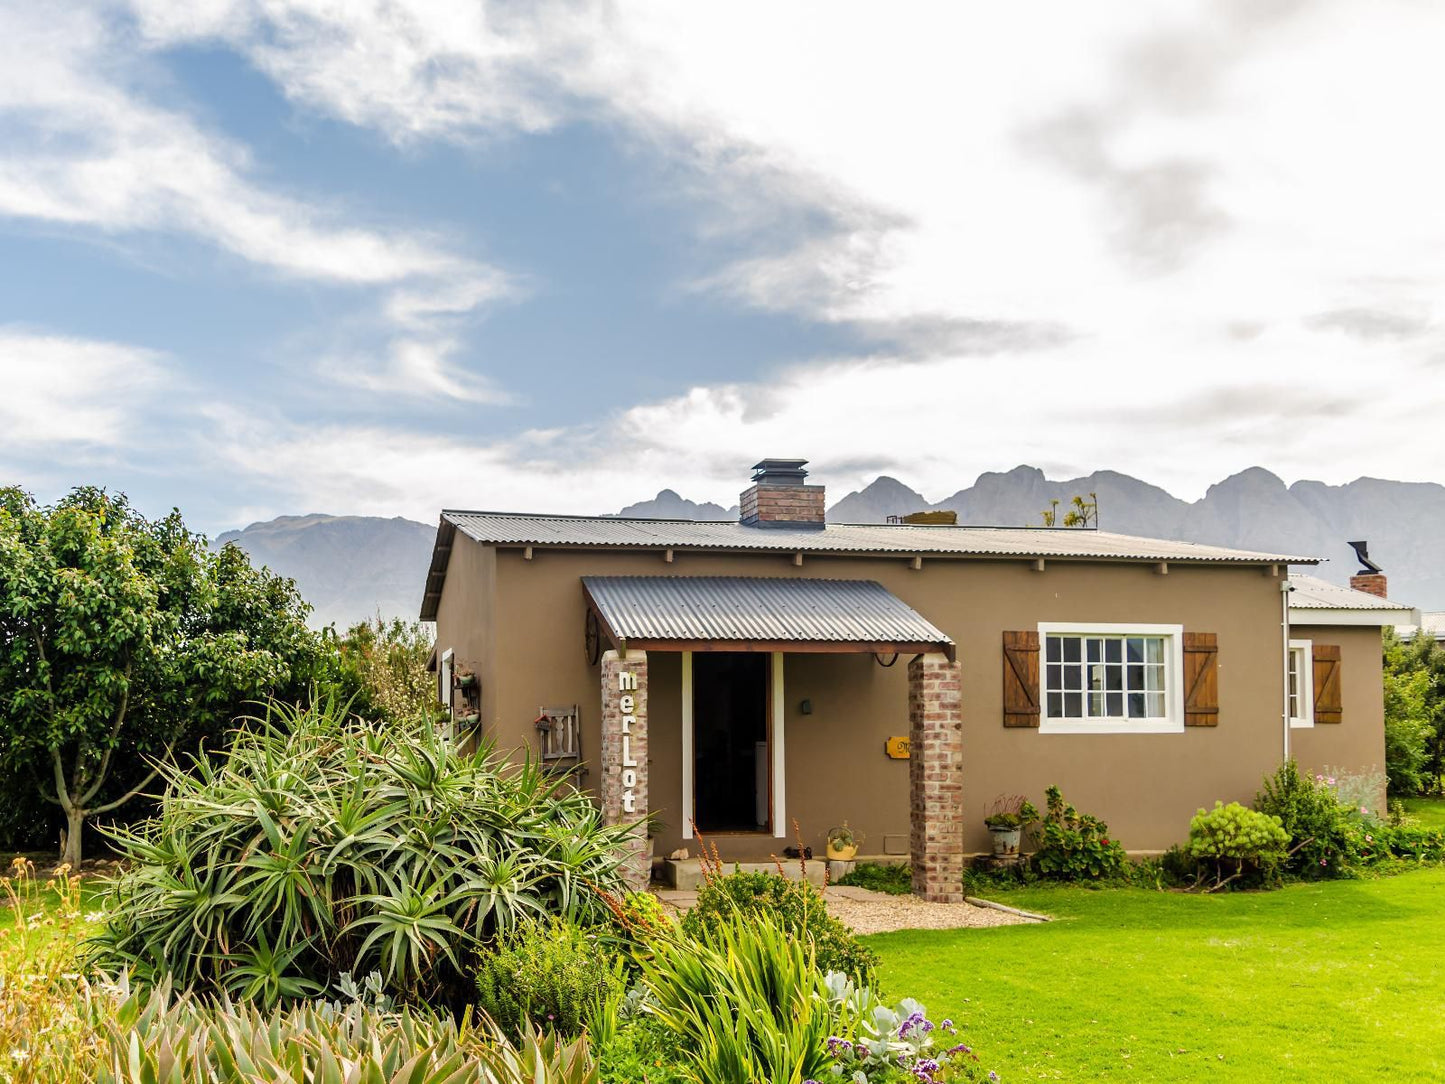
x=842, y=843
x=1006, y=820
x=466, y=678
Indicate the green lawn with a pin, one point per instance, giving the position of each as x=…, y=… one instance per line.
x=1427, y=812
x=1337, y=982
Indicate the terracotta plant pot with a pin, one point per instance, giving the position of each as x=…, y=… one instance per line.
x=1005, y=840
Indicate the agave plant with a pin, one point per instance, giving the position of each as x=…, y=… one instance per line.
x=181, y=1039
x=321, y=845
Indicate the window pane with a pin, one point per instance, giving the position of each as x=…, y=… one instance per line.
x=1055, y=676
x=1096, y=705
x=1114, y=678
x=1136, y=705
x=1071, y=649
x=1154, y=678
x=1115, y=703
x=1056, y=705
x=1154, y=649
x=1136, y=678
x=1156, y=705
x=1134, y=646
x=1073, y=705
x=1054, y=650
x=1114, y=650
x=1094, y=648
x=1073, y=677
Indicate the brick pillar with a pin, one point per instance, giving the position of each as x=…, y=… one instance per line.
x=624, y=756
x=1372, y=583
x=935, y=776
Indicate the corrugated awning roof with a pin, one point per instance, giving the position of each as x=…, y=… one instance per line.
x=508, y=528
x=1313, y=593
x=759, y=613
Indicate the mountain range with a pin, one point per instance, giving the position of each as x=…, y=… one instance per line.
x=353, y=567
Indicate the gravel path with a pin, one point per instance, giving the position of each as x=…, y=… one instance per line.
x=878, y=912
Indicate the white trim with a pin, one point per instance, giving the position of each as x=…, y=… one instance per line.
x=1376, y=618
x=1306, y=681
x=1173, y=723
x=780, y=805
x=444, y=679
x=687, y=758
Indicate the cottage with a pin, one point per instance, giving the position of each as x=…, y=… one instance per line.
x=735, y=677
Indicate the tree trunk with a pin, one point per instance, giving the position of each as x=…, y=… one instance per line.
x=74, y=822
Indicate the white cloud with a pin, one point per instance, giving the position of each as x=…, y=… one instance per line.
x=85, y=148
x=70, y=392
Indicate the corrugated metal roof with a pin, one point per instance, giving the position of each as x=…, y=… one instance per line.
x=758, y=609
x=1313, y=593
x=506, y=528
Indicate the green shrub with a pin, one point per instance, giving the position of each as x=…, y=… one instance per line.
x=746, y=1001
x=1074, y=846
x=895, y=880
x=319, y=846
x=1406, y=841
x=1232, y=842
x=643, y=1050
x=547, y=976
x=796, y=905
x=1324, y=840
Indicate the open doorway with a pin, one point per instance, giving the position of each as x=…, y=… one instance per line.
x=732, y=768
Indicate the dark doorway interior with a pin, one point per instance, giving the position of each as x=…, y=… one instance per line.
x=730, y=741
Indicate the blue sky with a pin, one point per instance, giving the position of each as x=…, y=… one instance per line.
x=260, y=258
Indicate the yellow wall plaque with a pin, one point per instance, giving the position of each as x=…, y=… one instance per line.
x=897, y=748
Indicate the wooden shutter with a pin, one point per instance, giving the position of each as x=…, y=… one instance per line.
x=1329, y=708
x=1021, y=678
x=1201, y=679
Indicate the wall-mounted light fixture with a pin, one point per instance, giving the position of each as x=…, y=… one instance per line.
x=805, y=708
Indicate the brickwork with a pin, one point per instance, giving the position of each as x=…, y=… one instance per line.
x=781, y=504
x=1372, y=583
x=623, y=754
x=935, y=776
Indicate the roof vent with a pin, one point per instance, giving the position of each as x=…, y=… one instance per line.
x=780, y=472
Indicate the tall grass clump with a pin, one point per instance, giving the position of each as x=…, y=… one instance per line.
x=322, y=845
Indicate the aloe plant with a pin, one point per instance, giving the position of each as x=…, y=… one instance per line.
x=321, y=845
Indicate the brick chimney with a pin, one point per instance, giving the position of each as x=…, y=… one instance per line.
x=1371, y=577
x=779, y=496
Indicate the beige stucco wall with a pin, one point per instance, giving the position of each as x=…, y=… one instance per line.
x=466, y=613
x=1146, y=785
x=1357, y=742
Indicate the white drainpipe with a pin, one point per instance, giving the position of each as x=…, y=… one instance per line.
x=1285, y=588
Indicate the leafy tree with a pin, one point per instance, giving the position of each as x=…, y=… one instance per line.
x=122, y=638
x=1414, y=712
x=383, y=669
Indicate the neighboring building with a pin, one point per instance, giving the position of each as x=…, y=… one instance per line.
x=1336, y=661
x=776, y=658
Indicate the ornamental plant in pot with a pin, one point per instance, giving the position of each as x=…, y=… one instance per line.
x=1006, y=820
x=842, y=843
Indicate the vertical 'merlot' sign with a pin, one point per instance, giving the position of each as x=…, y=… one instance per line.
x=627, y=687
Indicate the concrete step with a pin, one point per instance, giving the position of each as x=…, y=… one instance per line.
x=685, y=874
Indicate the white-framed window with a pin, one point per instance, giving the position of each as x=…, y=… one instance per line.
x=444, y=678
x=1301, y=691
x=1111, y=678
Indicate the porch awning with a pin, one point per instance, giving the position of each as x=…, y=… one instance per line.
x=757, y=613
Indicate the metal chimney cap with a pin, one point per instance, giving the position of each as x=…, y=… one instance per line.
x=1362, y=553
x=788, y=472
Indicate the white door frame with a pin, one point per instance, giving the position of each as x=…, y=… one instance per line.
x=775, y=742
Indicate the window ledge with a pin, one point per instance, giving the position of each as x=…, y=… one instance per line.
x=1074, y=726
